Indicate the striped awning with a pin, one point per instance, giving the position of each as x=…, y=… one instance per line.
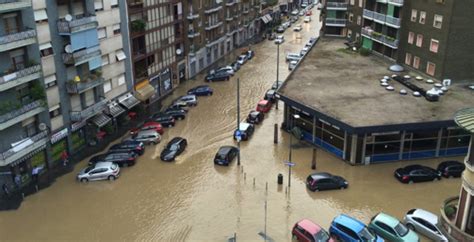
x=266, y=18
x=77, y=125
x=128, y=101
x=145, y=92
x=465, y=119
x=28, y=156
x=100, y=120
x=115, y=109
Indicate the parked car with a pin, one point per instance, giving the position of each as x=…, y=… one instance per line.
x=246, y=131
x=148, y=126
x=127, y=148
x=304, y=51
x=294, y=12
x=264, y=106
x=424, y=223
x=174, y=148
x=301, y=13
x=309, y=13
x=99, y=171
x=250, y=54
x=235, y=65
x=277, y=85
x=307, y=19
x=121, y=159
x=180, y=106
x=255, y=117
x=312, y=40
x=293, y=57
x=417, y=173
x=348, y=229
x=190, y=99
x=325, y=181
x=292, y=65
x=218, y=76
x=451, y=168
x=242, y=59
x=391, y=229
x=177, y=114
x=271, y=36
x=225, y=155
x=202, y=90
x=280, y=29
x=164, y=119
x=270, y=95
x=227, y=69
x=279, y=39
x=297, y=28
x=306, y=230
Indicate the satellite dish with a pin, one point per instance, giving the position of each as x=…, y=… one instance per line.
x=68, y=49
x=179, y=51
x=42, y=126
x=68, y=17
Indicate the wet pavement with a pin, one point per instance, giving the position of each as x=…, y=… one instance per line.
x=193, y=200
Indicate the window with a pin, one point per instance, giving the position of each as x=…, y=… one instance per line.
x=105, y=60
x=107, y=86
x=98, y=5
x=41, y=16
x=116, y=28
x=414, y=14
x=121, y=80
x=359, y=20
x=422, y=17
x=101, y=33
x=408, y=59
x=114, y=3
x=419, y=40
x=46, y=49
x=434, y=45
x=55, y=111
x=430, y=68
x=50, y=81
x=411, y=37
x=438, y=21
x=416, y=62
x=351, y=16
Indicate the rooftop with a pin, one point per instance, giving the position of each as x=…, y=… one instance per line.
x=346, y=86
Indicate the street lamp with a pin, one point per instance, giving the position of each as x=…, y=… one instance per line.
x=278, y=71
x=295, y=116
x=238, y=121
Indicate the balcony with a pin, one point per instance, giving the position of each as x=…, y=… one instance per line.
x=19, y=114
x=84, y=85
x=17, y=40
x=213, y=9
x=447, y=221
x=382, y=18
x=230, y=3
x=396, y=2
x=82, y=56
x=213, y=26
x=230, y=18
x=392, y=21
x=19, y=77
x=89, y=112
x=381, y=38
x=335, y=22
x=13, y=5
x=24, y=148
x=76, y=25
x=192, y=16
x=193, y=34
x=336, y=6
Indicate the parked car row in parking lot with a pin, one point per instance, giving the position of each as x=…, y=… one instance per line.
x=294, y=58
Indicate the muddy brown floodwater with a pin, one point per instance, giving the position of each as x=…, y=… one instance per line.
x=193, y=200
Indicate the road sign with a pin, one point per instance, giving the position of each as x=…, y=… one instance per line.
x=288, y=163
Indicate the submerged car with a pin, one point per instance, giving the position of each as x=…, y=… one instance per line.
x=242, y=59
x=264, y=106
x=99, y=171
x=279, y=39
x=202, y=90
x=391, y=229
x=417, y=173
x=348, y=229
x=246, y=131
x=174, y=148
x=325, y=181
x=120, y=158
x=235, y=65
x=164, y=119
x=255, y=117
x=227, y=69
x=451, y=168
x=190, y=99
x=128, y=147
x=425, y=223
x=225, y=155
x=306, y=230
x=297, y=28
x=148, y=126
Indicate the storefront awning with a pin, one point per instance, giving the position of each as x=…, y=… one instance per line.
x=115, y=109
x=145, y=92
x=100, y=119
x=128, y=101
x=58, y=135
x=266, y=18
x=77, y=125
x=28, y=156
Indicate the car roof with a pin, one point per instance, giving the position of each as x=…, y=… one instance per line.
x=149, y=131
x=451, y=162
x=105, y=164
x=176, y=139
x=309, y=226
x=244, y=126
x=270, y=91
x=428, y=216
x=387, y=219
x=319, y=175
x=225, y=149
x=264, y=102
x=253, y=112
x=350, y=222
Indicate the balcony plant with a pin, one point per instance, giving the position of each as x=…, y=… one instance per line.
x=450, y=211
x=8, y=106
x=37, y=91
x=138, y=25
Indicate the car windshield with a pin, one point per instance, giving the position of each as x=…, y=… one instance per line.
x=321, y=236
x=174, y=147
x=401, y=229
x=366, y=235
x=88, y=169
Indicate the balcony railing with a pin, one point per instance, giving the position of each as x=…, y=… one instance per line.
x=230, y=3
x=336, y=6
x=387, y=40
x=28, y=145
x=392, y=21
x=382, y=18
x=75, y=25
x=396, y=2
x=213, y=26
x=16, y=40
x=213, y=9
x=336, y=22
x=447, y=224
x=82, y=56
x=192, y=34
x=82, y=86
x=24, y=112
x=192, y=16
x=77, y=116
x=19, y=77
x=246, y=11
x=11, y=5
x=229, y=18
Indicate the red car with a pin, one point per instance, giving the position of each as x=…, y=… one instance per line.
x=309, y=13
x=264, y=106
x=149, y=126
x=307, y=231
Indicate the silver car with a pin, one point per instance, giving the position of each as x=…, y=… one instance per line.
x=190, y=100
x=425, y=223
x=147, y=137
x=99, y=171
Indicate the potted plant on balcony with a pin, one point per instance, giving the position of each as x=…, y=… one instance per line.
x=138, y=25
x=450, y=211
x=37, y=91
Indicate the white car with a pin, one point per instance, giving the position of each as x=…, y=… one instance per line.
x=304, y=51
x=424, y=222
x=293, y=56
x=279, y=39
x=242, y=59
x=294, y=12
x=297, y=28
x=99, y=171
x=302, y=13
x=228, y=69
x=307, y=19
x=292, y=65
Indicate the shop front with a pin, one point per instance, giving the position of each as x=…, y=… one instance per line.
x=58, y=146
x=78, y=137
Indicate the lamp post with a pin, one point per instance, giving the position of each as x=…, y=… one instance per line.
x=238, y=120
x=295, y=116
x=278, y=71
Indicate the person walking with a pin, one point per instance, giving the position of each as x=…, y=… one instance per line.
x=35, y=173
x=65, y=158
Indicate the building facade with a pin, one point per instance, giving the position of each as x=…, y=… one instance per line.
x=215, y=28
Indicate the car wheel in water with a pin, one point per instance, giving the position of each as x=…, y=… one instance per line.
x=410, y=182
x=111, y=178
x=125, y=165
x=155, y=143
x=411, y=227
x=84, y=180
x=180, y=118
x=436, y=179
x=209, y=94
x=450, y=176
x=170, y=125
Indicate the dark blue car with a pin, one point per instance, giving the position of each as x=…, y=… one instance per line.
x=203, y=90
x=348, y=229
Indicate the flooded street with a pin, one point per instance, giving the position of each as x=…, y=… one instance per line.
x=193, y=200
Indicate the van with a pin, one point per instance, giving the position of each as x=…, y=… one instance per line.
x=293, y=57
x=148, y=137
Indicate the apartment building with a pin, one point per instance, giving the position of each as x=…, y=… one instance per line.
x=429, y=36
x=23, y=107
x=156, y=39
x=217, y=27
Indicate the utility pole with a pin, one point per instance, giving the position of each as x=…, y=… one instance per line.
x=238, y=119
x=278, y=71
